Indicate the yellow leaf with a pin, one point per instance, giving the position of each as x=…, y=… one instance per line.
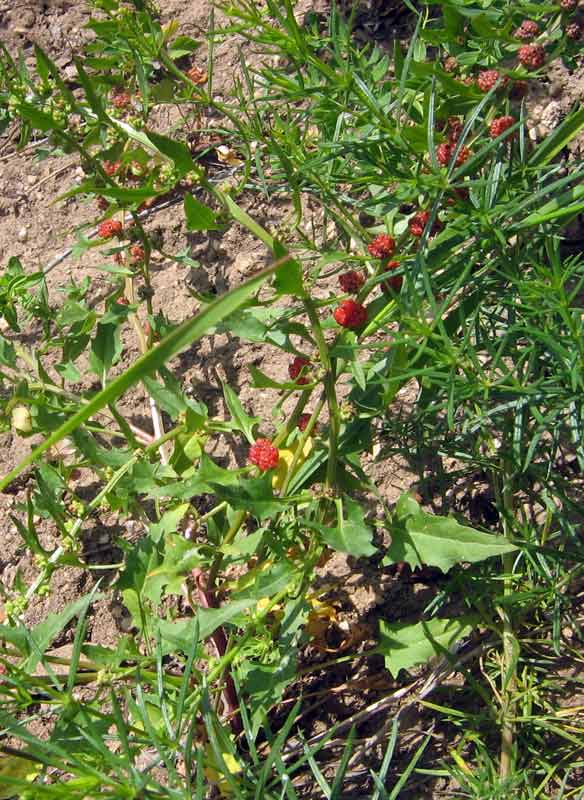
x=16, y=768
x=286, y=458
x=215, y=776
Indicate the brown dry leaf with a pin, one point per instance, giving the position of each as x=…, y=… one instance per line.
x=227, y=155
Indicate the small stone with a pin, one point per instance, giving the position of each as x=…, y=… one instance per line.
x=31, y=179
x=22, y=234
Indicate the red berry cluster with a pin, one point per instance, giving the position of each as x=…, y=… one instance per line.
x=296, y=367
x=418, y=222
x=382, y=246
x=527, y=31
x=109, y=228
x=531, y=56
x=137, y=253
x=111, y=167
x=444, y=154
x=121, y=99
x=264, y=455
x=488, y=78
x=351, y=314
x=574, y=31
x=453, y=129
x=568, y=5
x=351, y=281
x=500, y=125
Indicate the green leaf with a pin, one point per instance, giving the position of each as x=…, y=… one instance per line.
x=166, y=397
x=199, y=217
x=565, y=205
x=92, y=98
x=143, y=558
x=240, y=420
x=404, y=645
x=181, y=337
x=168, y=522
x=177, y=152
x=182, y=46
x=43, y=634
x=106, y=349
x=351, y=534
x=254, y=495
x=7, y=353
x=558, y=139
x=422, y=539
x=262, y=381
x=181, y=556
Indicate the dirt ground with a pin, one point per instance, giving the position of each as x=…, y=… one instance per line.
x=35, y=229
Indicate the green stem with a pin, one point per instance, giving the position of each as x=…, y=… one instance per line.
x=238, y=521
x=330, y=391
x=510, y=644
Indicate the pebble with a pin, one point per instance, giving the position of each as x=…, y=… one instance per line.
x=22, y=234
x=31, y=179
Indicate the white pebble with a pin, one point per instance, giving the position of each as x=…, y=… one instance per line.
x=22, y=234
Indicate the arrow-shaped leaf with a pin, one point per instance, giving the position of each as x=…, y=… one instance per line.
x=404, y=645
x=425, y=539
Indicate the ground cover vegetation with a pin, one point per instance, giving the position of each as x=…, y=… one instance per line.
x=421, y=250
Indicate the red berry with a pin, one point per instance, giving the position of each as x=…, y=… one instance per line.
x=500, y=125
x=532, y=56
x=443, y=153
x=487, y=79
x=574, y=31
x=121, y=99
x=109, y=228
x=351, y=314
x=568, y=5
x=264, y=455
x=351, y=281
x=137, y=253
x=382, y=246
x=454, y=129
x=418, y=222
x=528, y=29
x=303, y=421
x=393, y=284
x=296, y=367
x=111, y=167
